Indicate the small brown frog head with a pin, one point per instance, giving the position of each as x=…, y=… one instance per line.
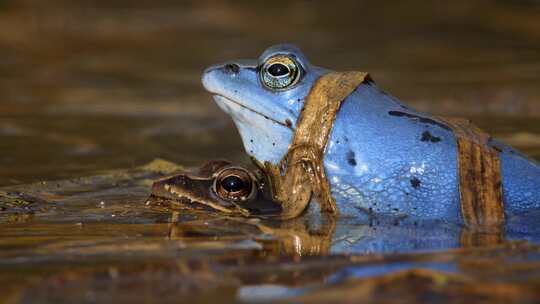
x=220, y=186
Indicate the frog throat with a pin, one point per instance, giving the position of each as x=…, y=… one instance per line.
x=300, y=173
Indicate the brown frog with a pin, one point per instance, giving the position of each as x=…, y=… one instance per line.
x=221, y=186
x=227, y=191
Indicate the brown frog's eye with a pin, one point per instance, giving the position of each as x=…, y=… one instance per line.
x=234, y=184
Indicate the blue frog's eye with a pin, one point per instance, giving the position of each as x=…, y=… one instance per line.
x=279, y=72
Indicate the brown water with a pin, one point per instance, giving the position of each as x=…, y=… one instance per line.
x=111, y=84
x=90, y=86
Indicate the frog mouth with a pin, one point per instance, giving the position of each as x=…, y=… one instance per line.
x=220, y=98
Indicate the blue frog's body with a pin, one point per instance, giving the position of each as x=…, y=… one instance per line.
x=382, y=157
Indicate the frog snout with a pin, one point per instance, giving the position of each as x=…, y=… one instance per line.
x=163, y=187
x=211, y=79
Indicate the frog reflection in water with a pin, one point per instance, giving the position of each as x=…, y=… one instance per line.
x=381, y=157
x=220, y=186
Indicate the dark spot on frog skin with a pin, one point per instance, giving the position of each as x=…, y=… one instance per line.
x=288, y=123
x=369, y=81
x=298, y=99
x=251, y=140
x=494, y=145
x=415, y=182
x=346, y=139
x=419, y=118
x=427, y=137
x=231, y=68
x=350, y=158
x=496, y=148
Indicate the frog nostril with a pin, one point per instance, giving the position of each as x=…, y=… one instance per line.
x=231, y=68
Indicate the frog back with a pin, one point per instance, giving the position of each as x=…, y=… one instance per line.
x=385, y=158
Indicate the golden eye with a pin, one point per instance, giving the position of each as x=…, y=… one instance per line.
x=279, y=72
x=234, y=184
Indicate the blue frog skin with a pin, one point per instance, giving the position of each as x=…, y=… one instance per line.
x=382, y=157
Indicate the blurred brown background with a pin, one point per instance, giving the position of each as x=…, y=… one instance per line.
x=94, y=85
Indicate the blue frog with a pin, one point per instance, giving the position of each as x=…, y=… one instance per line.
x=382, y=157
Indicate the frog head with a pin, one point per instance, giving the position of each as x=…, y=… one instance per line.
x=219, y=186
x=264, y=97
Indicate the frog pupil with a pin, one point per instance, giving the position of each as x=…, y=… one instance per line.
x=232, y=183
x=278, y=69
